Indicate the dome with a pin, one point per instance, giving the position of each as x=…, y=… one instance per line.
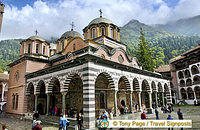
x=71, y=34
x=100, y=20
x=36, y=38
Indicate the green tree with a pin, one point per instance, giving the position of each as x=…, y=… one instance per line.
x=144, y=53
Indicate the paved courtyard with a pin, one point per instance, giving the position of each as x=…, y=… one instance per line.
x=189, y=112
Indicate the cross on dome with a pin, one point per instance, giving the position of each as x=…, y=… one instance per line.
x=72, y=24
x=100, y=11
x=36, y=32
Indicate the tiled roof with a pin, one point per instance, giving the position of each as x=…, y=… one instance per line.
x=163, y=68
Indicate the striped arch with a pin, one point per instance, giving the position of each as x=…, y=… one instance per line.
x=39, y=86
x=52, y=83
x=153, y=86
x=136, y=86
x=110, y=79
x=160, y=89
x=145, y=86
x=128, y=87
x=68, y=79
x=29, y=89
x=166, y=89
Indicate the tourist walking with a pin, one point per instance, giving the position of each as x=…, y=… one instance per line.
x=63, y=123
x=169, y=118
x=136, y=107
x=122, y=110
x=37, y=126
x=143, y=116
x=157, y=114
x=80, y=121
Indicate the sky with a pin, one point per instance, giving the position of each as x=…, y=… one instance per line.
x=53, y=17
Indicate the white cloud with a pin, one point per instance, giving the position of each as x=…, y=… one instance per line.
x=53, y=19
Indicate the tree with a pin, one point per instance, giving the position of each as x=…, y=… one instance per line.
x=144, y=53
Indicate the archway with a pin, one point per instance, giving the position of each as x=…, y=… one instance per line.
x=188, y=82
x=30, y=97
x=74, y=97
x=166, y=93
x=187, y=73
x=55, y=97
x=104, y=96
x=190, y=93
x=180, y=75
x=183, y=93
x=196, y=79
x=42, y=97
x=154, y=91
x=136, y=88
x=197, y=92
x=182, y=83
x=160, y=92
x=145, y=95
x=123, y=94
x=194, y=69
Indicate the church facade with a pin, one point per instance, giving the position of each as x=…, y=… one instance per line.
x=90, y=74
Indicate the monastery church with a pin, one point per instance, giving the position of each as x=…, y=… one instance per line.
x=90, y=73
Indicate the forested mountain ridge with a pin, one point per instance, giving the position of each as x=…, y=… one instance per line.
x=165, y=45
x=188, y=26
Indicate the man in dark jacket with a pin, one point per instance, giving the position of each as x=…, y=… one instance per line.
x=180, y=115
x=157, y=114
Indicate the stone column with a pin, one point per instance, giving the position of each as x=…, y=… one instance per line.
x=150, y=100
x=63, y=102
x=115, y=102
x=131, y=101
x=88, y=96
x=139, y=101
x=163, y=100
x=48, y=101
x=156, y=97
x=2, y=93
x=195, y=97
x=36, y=100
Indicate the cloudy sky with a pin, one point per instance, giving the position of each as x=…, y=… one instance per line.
x=53, y=17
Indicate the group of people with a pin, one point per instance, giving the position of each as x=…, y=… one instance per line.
x=55, y=111
x=168, y=108
x=123, y=110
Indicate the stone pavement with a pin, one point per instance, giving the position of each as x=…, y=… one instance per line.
x=189, y=112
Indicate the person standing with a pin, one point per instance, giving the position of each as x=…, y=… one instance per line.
x=125, y=110
x=180, y=115
x=36, y=115
x=136, y=107
x=37, y=126
x=80, y=121
x=169, y=118
x=157, y=114
x=56, y=111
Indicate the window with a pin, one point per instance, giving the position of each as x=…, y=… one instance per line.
x=62, y=45
x=102, y=31
x=16, y=101
x=13, y=101
x=120, y=59
x=29, y=48
x=111, y=33
x=37, y=48
x=44, y=50
x=74, y=47
x=17, y=76
x=93, y=33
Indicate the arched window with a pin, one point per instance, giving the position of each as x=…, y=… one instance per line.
x=197, y=92
x=17, y=76
x=102, y=31
x=111, y=32
x=196, y=79
x=187, y=73
x=120, y=59
x=74, y=47
x=13, y=101
x=29, y=48
x=194, y=69
x=183, y=94
x=182, y=83
x=189, y=82
x=93, y=33
x=190, y=93
x=180, y=75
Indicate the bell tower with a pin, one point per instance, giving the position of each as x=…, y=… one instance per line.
x=1, y=13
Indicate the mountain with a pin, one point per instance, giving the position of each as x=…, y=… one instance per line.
x=165, y=45
x=188, y=26
x=161, y=41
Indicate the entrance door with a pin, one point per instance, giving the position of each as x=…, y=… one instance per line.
x=123, y=103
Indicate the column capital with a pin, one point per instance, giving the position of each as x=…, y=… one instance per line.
x=64, y=93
